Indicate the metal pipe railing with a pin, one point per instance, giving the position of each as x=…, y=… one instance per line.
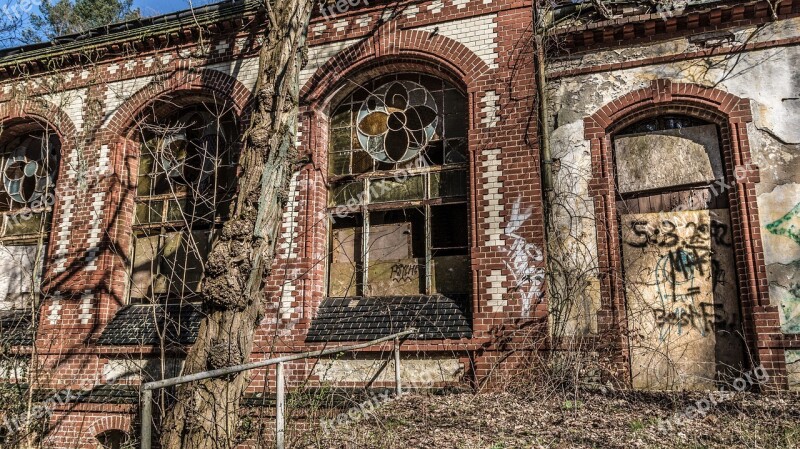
x=147, y=388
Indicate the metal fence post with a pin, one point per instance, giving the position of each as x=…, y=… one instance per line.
x=397, y=385
x=147, y=418
x=280, y=408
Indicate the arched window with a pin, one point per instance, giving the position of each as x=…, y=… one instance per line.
x=398, y=171
x=112, y=439
x=29, y=155
x=186, y=174
x=678, y=254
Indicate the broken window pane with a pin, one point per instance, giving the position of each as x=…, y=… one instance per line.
x=144, y=269
x=396, y=253
x=347, y=194
x=186, y=175
x=451, y=275
x=18, y=277
x=449, y=184
x=402, y=129
x=397, y=189
x=346, y=261
x=449, y=229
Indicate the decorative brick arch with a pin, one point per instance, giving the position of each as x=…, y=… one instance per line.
x=731, y=114
x=399, y=48
x=41, y=111
x=203, y=81
x=106, y=423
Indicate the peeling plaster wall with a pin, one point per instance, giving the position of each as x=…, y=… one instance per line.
x=769, y=78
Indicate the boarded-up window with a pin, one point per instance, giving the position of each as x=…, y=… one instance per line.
x=668, y=158
x=398, y=165
x=186, y=175
x=682, y=300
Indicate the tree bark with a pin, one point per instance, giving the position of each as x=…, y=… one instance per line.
x=205, y=414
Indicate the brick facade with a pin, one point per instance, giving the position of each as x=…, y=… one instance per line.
x=480, y=46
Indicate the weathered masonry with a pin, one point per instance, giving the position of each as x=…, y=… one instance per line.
x=673, y=222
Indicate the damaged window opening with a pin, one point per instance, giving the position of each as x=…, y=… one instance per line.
x=398, y=196
x=186, y=176
x=29, y=156
x=678, y=254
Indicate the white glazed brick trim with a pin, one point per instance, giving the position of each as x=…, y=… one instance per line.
x=98, y=202
x=460, y=4
x=120, y=91
x=244, y=70
x=476, y=33
x=319, y=28
x=491, y=182
x=222, y=46
x=71, y=102
x=320, y=54
x=340, y=25
x=67, y=209
x=363, y=21
x=490, y=108
x=86, y=307
x=289, y=246
x=436, y=6
x=54, y=311
x=496, y=301
x=411, y=11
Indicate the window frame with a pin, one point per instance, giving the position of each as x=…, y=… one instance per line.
x=418, y=166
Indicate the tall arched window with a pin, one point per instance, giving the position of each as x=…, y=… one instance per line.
x=186, y=175
x=398, y=172
x=678, y=256
x=29, y=155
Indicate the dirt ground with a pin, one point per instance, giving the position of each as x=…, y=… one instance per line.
x=566, y=421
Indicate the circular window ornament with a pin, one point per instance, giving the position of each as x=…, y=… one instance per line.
x=396, y=121
x=28, y=169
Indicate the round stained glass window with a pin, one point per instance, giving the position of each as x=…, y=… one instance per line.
x=396, y=121
x=29, y=168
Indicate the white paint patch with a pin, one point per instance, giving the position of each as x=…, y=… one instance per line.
x=476, y=33
x=419, y=373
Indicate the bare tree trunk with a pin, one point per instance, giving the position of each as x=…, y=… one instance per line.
x=205, y=414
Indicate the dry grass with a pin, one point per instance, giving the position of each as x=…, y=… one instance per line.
x=559, y=421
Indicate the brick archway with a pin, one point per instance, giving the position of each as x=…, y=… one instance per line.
x=400, y=48
x=731, y=114
x=205, y=81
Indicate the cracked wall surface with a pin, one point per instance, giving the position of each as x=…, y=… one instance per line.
x=767, y=77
